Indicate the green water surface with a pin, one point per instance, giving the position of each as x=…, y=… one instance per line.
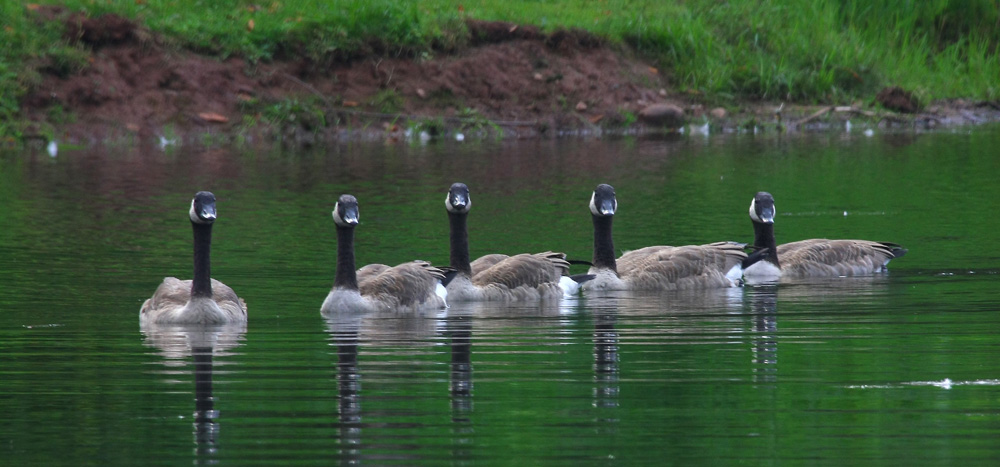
x=898, y=369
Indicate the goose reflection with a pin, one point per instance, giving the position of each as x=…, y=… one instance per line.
x=348, y=332
x=841, y=294
x=202, y=343
x=606, y=361
x=456, y=329
x=344, y=332
x=763, y=305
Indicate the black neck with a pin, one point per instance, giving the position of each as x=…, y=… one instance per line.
x=346, y=277
x=201, y=285
x=763, y=237
x=604, y=246
x=459, y=242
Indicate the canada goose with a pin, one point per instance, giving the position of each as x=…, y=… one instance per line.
x=817, y=257
x=202, y=300
x=498, y=277
x=412, y=286
x=657, y=267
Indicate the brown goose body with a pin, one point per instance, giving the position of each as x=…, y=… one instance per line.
x=822, y=257
x=818, y=257
x=499, y=277
x=681, y=267
x=710, y=265
x=201, y=300
x=172, y=304
x=409, y=287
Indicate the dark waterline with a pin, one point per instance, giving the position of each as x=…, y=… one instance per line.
x=895, y=368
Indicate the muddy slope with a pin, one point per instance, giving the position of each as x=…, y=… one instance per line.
x=516, y=77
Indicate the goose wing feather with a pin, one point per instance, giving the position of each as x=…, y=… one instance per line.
x=485, y=262
x=529, y=270
x=370, y=271
x=824, y=257
x=172, y=293
x=405, y=285
x=227, y=299
x=684, y=267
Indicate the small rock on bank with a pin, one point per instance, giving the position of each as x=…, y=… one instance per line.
x=667, y=115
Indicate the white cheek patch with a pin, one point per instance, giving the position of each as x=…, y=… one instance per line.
x=193, y=214
x=600, y=211
x=336, y=215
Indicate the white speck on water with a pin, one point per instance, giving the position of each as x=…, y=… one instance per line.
x=52, y=148
x=946, y=383
x=459, y=137
x=164, y=142
x=869, y=132
x=37, y=326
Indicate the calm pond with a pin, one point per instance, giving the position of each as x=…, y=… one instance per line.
x=899, y=369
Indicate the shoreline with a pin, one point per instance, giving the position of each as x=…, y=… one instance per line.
x=516, y=82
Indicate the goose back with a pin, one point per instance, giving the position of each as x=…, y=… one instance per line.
x=823, y=257
x=172, y=303
x=487, y=261
x=408, y=286
x=681, y=268
x=369, y=272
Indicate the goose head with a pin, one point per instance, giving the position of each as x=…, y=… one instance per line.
x=603, y=202
x=203, y=208
x=345, y=212
x=762, y=208
x=458, y=200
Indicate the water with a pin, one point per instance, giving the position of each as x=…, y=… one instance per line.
x=898, y=368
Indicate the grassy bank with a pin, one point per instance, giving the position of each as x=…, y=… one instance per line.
x=831, y=51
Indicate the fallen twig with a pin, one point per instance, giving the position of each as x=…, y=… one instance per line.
x=819, y=113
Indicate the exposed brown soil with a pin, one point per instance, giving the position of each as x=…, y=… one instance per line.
x=527, y=82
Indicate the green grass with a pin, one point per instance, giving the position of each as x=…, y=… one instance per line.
x=821, y=51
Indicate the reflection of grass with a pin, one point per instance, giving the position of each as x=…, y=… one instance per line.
x=826, y=50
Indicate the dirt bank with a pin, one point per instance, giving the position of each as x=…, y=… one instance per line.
x=510, y=77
